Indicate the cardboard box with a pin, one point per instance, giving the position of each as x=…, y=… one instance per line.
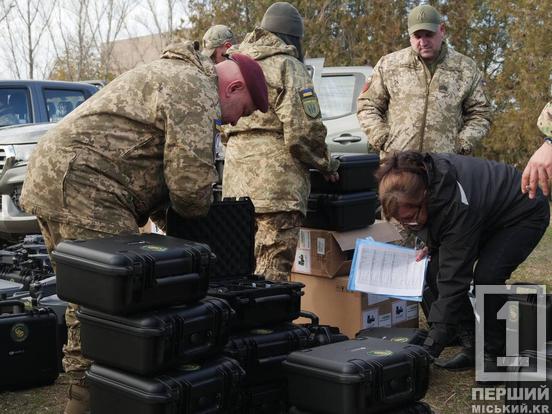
x=330, y=300
x=329, y=253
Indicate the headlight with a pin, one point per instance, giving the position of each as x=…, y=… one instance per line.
x=19, y=152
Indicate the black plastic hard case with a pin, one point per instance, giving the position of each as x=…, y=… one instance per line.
x=356, y=173
x=357, y=376
x=127, y=274
x=28, y=355
x=261, y=351
x=213, y=387
x=341, y=212
x=229, y=229
x=413, y=336
x=154, y=341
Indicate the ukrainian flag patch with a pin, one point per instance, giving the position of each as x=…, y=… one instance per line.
x=310, y=103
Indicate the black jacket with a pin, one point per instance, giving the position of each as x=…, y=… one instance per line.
x=468, y=200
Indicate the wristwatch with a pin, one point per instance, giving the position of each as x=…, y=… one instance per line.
x=548, y=140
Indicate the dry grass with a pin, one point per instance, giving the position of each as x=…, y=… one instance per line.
x=449, y=393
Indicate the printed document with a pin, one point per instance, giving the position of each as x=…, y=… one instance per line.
x=386, y=269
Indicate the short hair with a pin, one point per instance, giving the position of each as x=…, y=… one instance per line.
x=402, y=179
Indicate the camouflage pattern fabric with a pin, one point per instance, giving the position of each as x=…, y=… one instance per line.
x=545, y=120
x=268, y=155
x=275, y=244
x=54, y=232
x=406, y=108
x=143, y=139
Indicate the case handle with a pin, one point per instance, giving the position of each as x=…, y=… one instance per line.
x=17, y=306
x=275, y=298
x=162, y=281
x=315, y=320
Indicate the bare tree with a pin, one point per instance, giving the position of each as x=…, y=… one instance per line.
x=112, y=14
x=165, y=30
x=35, y=17
x=6, y=7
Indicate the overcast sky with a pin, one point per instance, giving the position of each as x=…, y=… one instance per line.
x=140, y=22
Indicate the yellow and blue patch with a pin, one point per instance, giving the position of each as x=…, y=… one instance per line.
x=310, y=102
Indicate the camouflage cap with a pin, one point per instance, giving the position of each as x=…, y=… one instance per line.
x=216, y=36
x=423, y=17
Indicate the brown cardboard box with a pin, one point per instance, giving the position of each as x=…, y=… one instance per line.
x=329, y=253
x=330, y=300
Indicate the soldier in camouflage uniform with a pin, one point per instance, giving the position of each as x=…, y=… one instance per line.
x=539, y=169
x=427, y=97
x=144, y=140
x=216, y=41
x=268, y=156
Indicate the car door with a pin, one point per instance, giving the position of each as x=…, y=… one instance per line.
x=338, y=90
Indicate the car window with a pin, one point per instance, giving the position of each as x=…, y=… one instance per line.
x=14, y=106
x=336, y=95
x=59, y=102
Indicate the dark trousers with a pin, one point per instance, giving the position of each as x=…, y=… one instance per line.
x=500, y=253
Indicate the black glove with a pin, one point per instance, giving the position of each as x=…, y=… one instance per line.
x=433, y=348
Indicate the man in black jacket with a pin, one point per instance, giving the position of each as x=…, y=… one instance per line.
x=477, y=227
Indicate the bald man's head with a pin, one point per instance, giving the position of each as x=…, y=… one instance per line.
x=241, y=87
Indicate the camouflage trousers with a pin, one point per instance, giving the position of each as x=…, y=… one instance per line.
x=54, y=232
x=275, y=243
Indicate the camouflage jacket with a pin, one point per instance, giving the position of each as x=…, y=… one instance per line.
x=407, y=108
x=144, y=139
x=268, y=156
x=545, y=120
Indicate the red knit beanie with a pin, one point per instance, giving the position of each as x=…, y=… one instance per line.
x=254, y=80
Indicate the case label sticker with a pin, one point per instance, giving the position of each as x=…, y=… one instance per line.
x=398, y=311
x=321, y=246
x=154, y=248
x=385, y=320
x=370, y=318
x=19, y=332
x=380, y=352
x=412, y=311
x=304, y=239
x=302, y=261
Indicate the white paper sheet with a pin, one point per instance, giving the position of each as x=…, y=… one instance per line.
x=387, y=269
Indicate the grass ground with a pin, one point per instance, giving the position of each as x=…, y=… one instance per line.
x=449, y=393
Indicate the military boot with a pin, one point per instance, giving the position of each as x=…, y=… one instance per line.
x=79, y=399
x=465, y=359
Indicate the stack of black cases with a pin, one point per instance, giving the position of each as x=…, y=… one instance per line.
x=351, y=202
x=159, y=344
x=262, y=334
x=155, y=337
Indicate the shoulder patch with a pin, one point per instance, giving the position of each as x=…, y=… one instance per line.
x=310, y=103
